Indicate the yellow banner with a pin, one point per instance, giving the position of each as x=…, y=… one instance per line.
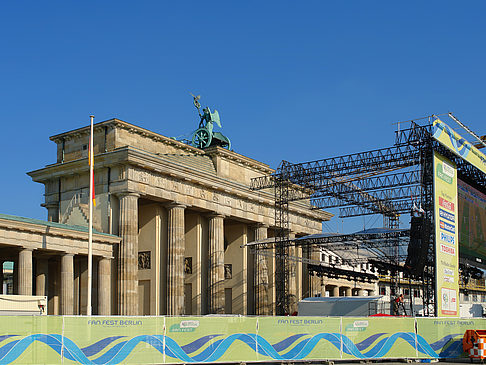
x=454, y=142
x=446, y=237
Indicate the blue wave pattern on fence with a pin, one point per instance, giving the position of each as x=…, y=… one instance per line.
x=296, y=347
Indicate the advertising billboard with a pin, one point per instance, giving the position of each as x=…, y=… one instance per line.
x=446, y=237
x=458, y=145
x=472, y=222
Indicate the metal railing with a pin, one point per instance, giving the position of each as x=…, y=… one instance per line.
x=74, y=202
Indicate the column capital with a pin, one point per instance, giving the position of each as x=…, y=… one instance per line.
x=26, y=249
x=67, y=254
x=216, y=215
x=176, y=205
x=122, y=194
x=259, y=225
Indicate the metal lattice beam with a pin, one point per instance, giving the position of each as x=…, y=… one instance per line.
x=381, y=201
x=311, y=175
x=353, y=237
x=403, y=206
x=367, y=184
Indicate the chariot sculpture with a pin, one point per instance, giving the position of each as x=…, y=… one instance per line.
x=204, y=136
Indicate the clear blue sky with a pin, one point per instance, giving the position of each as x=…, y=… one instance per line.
x=292, y=80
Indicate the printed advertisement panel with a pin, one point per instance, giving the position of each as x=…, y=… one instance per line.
x=472, y=222
x=31, y=340
x=454, y=142
x=210, y=339
x=293, y=338
x=371, y=338
x=442, y=337
x=446, y=237
x=113, y=340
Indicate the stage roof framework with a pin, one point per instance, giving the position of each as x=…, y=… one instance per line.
x=388, y=181
x=357, y=248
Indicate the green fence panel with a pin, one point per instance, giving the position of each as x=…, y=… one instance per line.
x=30, y=340
x=369, y=338
x=211, y=339
x=442, y=337
x=101, y=340
x=298, y=338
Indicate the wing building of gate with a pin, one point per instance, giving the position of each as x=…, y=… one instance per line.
x=182, y=214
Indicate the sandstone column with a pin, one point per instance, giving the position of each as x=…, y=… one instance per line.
x=335, y=291
x=261, y=271
x=347, y=291
x=371, y=293
x=15, y=278
x=67, y=284
x=128, y=255
x=25, y=272
x=104, y=287
x=1, y=277
x=216, y=264
x=361, y=292
x=175, y=256
x=315, y=281
x=41, y=272
x=295, y=277
x=323, y=287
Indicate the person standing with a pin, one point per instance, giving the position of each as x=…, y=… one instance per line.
x=396, y=304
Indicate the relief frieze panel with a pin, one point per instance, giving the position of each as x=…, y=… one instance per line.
x=199, y=193
x=169, y=184
x=191, y=190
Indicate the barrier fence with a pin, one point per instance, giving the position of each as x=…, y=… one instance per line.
x=161, y=340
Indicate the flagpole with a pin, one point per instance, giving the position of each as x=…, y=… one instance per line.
x=90, y=229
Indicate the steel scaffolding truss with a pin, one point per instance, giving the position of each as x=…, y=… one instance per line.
x=370, y=239
x=315, y=175
x=282, y=248
x=388, y=181
x=379, y=202
x=400, y=207
x=359, y=248
x=368, y=183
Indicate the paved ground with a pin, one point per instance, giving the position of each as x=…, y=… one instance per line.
x=375, y=362
x=394, y=362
